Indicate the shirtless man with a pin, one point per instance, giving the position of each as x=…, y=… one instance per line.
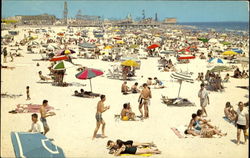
x=98, y=116
x=124, y=88
x=44, y=114
x=144, y=100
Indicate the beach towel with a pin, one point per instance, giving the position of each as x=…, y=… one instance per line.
x=29, y=108
x=178, y=133
x=31, y=145
x=226, y=119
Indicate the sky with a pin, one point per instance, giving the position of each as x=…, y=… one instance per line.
x=184, y=11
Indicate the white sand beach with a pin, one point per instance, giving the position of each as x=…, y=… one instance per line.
x=73, y=125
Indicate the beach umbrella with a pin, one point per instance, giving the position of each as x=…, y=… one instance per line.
x=67, y=51
x=203, y=39
x=130, y=63
x=220, y=68
x=184, y=50
x=117, y=38
x=225, y=43
x=183, y=57
x=237, y=50
x=213, y=40
x=108, y=47
x=133, y=46
x=153, y=46
x=216, y=60
x=88, y=73
x=180, y=76
x=60, y=34
x=229, y=53
x=62, y=65
x=58, y=58
x=120, y=42
x=87, y=45
x=34, y=145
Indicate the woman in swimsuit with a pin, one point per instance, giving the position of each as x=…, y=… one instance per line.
x=129, y=147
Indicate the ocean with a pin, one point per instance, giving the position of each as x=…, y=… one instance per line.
x=219, y=26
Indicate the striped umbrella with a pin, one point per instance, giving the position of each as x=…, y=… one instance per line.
x=62, y=65
x=58, y=58
x=88, y=74
x=67, y=51
x=216, y=60
x=153, y=46
x=180, y=76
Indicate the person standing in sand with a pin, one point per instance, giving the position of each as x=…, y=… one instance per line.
x=242, y=122
x=98, y=116
x=44, y=114
x=28, y=93
x=144, y=99
x=204, y=99
x=5, y=54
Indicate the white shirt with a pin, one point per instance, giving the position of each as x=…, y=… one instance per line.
x=203, y=94
x=36, y=127
x=242, y=116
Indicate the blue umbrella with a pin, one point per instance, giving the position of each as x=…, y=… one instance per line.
x=237, y=50
x=217, y=60
x=31, y=145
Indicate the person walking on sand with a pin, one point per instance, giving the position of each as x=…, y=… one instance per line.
x=204, y=99
x=5, y=54
x=98, y=116
x=144, y=99
x=241, y=122
x=28, y=93
x=44, y=114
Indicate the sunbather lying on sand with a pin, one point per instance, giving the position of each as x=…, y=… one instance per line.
x=229, y=112
x=126, y=113
x=82, y=95
x=129, y=147
x=43, y=78
x=197, y=129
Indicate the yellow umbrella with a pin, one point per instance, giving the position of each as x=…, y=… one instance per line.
x=108, y=47
x=116, y=30
x=229, y=53
x=130, y=63
x=67, y=51
x=120, y=42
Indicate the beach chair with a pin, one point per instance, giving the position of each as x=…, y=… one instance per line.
x=113, y=75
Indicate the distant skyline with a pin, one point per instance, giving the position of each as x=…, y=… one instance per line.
x=184, y=11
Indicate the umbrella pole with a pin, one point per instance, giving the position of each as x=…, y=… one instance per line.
x=179, y=88
x=90, y=85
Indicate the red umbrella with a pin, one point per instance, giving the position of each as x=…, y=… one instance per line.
x=88, y=74
x=181, y=57
x=153, y=46
x=58, y=58
x=184, y=50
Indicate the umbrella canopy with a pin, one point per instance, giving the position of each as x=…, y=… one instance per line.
x=184, y=50
x=213, y=40
x=182, y=57
x=58, y=58
x=88, y=74
x=203, y=39
x=67, y=51
x=153, y=46
x=229, y=53
x=118, y=38
x=180, y=76
x=216, y=60
x=87, y=45
x=60, y=34
x=34, y=145
x=237, y=50
x=220, y=68
x=225, y=43
x=62, y=65
x=108, y=47
x=133, y=46
x=130, y=63
x=120, y=42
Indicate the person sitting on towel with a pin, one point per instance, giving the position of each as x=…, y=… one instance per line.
x=126, y=113
x=36, y=126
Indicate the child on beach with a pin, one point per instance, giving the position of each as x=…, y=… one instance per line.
x=44, y=115
x=28, y=93
x=36, y=126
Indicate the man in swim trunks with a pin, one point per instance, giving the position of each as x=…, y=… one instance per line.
x=98, y=116
x=144, y=100
x=44, y=114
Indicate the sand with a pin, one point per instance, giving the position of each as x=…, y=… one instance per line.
x=73, y=125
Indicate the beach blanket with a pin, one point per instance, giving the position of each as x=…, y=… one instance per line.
x=146, y=155
x=177, y=101
x=31, y=145
x=29, y=108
